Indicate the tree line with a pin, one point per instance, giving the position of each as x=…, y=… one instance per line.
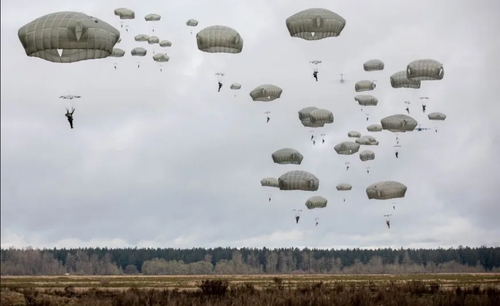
x=162, y=261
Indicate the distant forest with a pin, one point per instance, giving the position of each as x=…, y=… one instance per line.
x=148, y=261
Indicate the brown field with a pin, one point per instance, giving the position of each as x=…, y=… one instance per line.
x=373, y=289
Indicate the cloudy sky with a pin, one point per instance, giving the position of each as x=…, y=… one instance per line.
x=162, y=159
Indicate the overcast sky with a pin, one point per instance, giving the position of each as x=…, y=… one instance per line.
x=161, y=159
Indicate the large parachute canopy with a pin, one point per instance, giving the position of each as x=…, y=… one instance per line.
x=344, y=187
x=316, y=202
x=298, y=180
x=269, y=182
x=235, y=86
x=386, y=190
x=165, y=43
x=399, y=80
x=366, y=100
x=79, y=36
x=367, y=141
x=287, y=156
x=152, y=17
x=161, y=57
x=139, y=51
x=315, y=24
x=321, y=116
x=192, y=22
x=153, y=40
x=374, y=128
x=364, y=85
x=373, y=65
x=124, y=13
x=425, y=70
x=266, y=93
x=347, y=148
x=399, y=123
x=354, y=134
x=305, y=113
x=436, y=116
x=141, y=37
x=117, y=52
x=219, y=39
x=366, y=155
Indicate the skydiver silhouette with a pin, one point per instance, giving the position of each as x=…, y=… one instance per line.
x=314, y=142
x=347, y=168
x=268, y=119
x=69, y=115
x=269, y=199
x=367, y=170
x=138, y=65
x=394, y=207
x=436, y=130
x=161, y=70
x=423, y=107
x=316, y=223
x=315, y=75
x=220, y=86
x=323, y=141
x=408, y=110
x=297, y=219
x=397, y=154
x=115, y=66
x=367, y=118
x=312, y=137
x=344, y=200
x=388, y=223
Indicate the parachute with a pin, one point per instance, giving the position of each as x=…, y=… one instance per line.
x=364, y=85
x=124, y=13
x=321, y=116
x=161, y=57
x=436, y=116
x=305, y=113
x=373, y=65
x=316, y=202
x=117, y=52
x=153, y=40
x=141, y=37
x=315, y=24
x=366, y=155
x=366, y=100
x=266, y=93
x=399, y=123
x=165, y=43
x=192, y=22
x=399, y=80
x=425, y=70
x=269, y=182
x=152, y=17
x=219, y=39
x=344, y=187
x=139, y=51
x=235, y=86
x=347, y=148
x=386, y=190
x=287, y=156
x=374, y=128
x=367, y=141
x=307, y=123
x=298, y=180
x=79, y=36
x=354, y=134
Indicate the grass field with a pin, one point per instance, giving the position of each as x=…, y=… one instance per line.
x=422, y=289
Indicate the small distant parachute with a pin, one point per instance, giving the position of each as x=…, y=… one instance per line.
x=315, y=24
x=287, y=156
x=266, y=93
x=139, y=51
x=354, y=134
x=141, y=37
x=373, y=65
x=374, y=128
x=366, y=155
x=367, y=141
x=347, y=148
x=425, y=70
x=386, y=190
x=344, y=187
x=436, y=116
x=298, y=180
x=68, y=37
x=366, y=100
x=161, y=57
x=270, y=182
x=399, y=123
x=219, y=39
x=321, y=116
x=153, y=40
x=235, y=86
x=316, y=202
x=364, y=85
x=124, y=13
x=165, y=43
x=192, y=22
x=399, y=80
x=305, y=113
x=152, y=17
x=117, y=52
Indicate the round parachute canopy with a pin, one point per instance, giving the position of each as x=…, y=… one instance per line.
x=165, y=43
x=161, y=57
x=316, y=202
x=367, y=141
x=152, y=17
x=192, y=22
x=287, y=156
x=386, y=190
x=366, y=155
x=436, y=116
x=139, y=51
x=117, y=52
x=354, y=134
x=270, y=182
x=235, y=86
x=141, y=37
x=266, y=93
x=323, y=116
x=307, y=123
x=124, y=13
x=344, y=187
x=425, y=70
x=298, y=180
x=366, y=100
x=373, y=65
x=374, y=128
x=79, y=36
x=399, y=123
x=364, y=85
x=306, y=112
x=153, y=40
x=399, y=80
x=219, y=39
x=315, y=24
x=347, y=148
